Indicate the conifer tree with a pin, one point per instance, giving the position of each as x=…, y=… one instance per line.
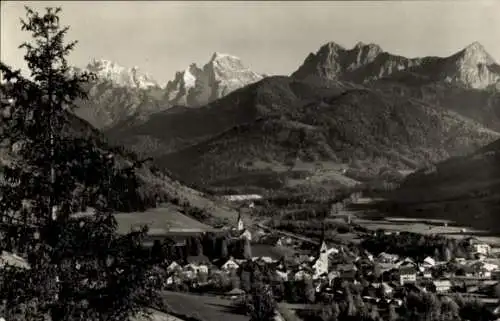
x=79, y=268
x=261, y=304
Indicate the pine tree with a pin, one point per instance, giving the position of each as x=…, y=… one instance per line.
x=392, y=314
x=261, y=304
x=79, y=268
x=247, y=249
x=309, y=291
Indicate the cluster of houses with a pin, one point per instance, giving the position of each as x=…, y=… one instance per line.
x=326, y=265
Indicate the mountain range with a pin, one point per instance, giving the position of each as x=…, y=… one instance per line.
x=361, y=110
x=344, y=116
x=471, y=67
x=119, y=94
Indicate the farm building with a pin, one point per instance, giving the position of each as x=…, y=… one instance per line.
x=440, y=286
x=242, y=198
x=407, y=275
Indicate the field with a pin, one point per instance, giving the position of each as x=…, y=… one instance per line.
x=211, y=308
x=159, y=220
x=307, y=174
x=193, y=197
x=421, y=225
x=207, y=308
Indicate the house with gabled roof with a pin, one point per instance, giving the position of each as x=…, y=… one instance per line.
x=406, y=262
x=407, y=275
x=230, y=265
x=477, y=247
x=440, y=286
x=387, y=258
x=302, y=275
x=12, y=259
x=174, y=266
x=429, y=262
x=346, y=267
x=281, y=275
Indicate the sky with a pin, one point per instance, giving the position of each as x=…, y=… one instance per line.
x=271, y=37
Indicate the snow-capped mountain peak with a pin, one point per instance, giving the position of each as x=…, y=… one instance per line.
x=222, y=74
x=119, y=75
x=189, y=75
x=219, y=55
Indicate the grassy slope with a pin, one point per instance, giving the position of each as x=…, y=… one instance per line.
x=152, y=181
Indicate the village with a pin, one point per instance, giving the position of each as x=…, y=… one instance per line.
x=308, y=271
x=306, y=274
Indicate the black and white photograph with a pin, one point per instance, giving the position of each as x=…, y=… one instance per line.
x=250, y=160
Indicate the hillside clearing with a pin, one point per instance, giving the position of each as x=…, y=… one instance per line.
x=159, y=219
x=206, y=308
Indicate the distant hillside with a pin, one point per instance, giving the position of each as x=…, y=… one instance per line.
x=179, y=127
x=363, y=112
x=480, y=105
x=473, y=176
x=280, y=119
x=463, y=189
x=154, y=185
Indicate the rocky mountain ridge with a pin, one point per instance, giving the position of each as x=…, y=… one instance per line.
x=471, y=67
x=279, y=119
x=197, y=86
x=339, y=107
x=119, y=93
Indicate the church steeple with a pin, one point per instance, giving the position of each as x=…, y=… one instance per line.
x=240, y=226
x=321, y=264
x=322, y=244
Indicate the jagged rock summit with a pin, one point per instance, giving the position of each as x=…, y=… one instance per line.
x=474, y=67
x=125, y=94
x=118, y=93
x=196, y=86
x=107, y=70
x=471, y=67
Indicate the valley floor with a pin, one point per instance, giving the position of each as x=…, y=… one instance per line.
x=376, y=220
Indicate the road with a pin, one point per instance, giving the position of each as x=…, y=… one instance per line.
x=292, y=235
